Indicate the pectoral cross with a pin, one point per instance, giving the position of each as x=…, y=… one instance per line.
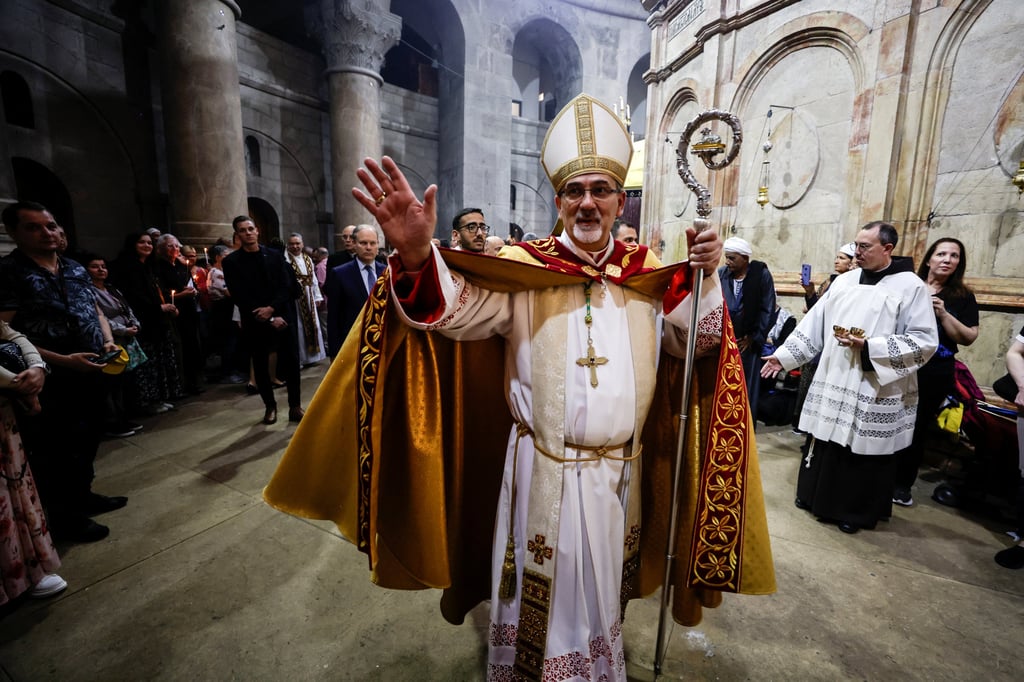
x=592, y=361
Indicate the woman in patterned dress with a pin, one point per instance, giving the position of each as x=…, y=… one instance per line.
x=28, y=558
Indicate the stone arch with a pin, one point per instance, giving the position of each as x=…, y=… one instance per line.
x=265, y=216
x=668, y=206
x=35, y=182
x=75, y=136
x=285, y=182
x=636, y=96
x=253, y=163
x=439, y=24
x=805, y=190
x=971, y=128
x=17, y=99
x=546, y=61
x=412, y=64
x=936, y=93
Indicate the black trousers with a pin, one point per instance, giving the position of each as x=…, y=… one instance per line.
x=933, y=387
x=62, y=440
x=262, y=340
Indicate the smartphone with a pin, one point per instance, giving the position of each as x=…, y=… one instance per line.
x=106, y=357
x=805, y=274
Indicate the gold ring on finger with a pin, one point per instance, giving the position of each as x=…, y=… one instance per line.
x=380, y=200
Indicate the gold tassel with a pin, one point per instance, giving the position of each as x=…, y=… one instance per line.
x=507, y=586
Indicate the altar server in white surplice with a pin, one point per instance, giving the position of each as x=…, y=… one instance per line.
x=874, y=328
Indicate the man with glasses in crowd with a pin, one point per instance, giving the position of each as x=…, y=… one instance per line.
x=874, y=327
x=469, y=231
x=348, y=251
x=576, y=321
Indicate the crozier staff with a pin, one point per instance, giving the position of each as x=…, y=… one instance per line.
x=577, y=316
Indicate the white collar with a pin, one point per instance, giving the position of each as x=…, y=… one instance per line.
x=597, y=258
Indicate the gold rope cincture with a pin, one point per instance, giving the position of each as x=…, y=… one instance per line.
x=598, y=450
x=507, y=584
x=591, y=360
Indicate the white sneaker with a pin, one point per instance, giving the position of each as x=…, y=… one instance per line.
x=50, y=585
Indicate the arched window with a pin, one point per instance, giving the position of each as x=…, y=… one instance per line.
x=412, y=64
x=17, y=98
x=512, y=197
x=252, y=156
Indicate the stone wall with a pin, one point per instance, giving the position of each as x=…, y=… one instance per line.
x=410, y=136
x=283, y=109
x=878, y=112
x=82, y=135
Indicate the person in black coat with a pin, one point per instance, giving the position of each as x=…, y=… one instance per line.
x=264, y=289
x=347, y=287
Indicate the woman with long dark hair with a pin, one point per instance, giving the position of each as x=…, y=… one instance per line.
x=956, y=316
x=158, y=380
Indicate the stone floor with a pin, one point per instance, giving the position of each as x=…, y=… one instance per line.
x=200, y=580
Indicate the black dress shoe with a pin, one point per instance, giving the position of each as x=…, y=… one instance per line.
x=800, y=504
x=1011, y=557
x=848, y=527
x=251, y=389
x=101, y=504
x=270, y=416
x=295, y=414
x=84, y=530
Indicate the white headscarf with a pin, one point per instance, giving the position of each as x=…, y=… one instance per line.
x=737, y=245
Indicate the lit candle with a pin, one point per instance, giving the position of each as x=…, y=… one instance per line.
x=172, y=295
x=206, y=255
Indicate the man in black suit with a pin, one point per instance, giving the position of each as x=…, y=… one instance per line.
x=264, y=289
x=348, y=286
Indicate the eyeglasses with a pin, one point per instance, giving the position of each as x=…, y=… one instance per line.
x=476, y=227
x=599, y=193
x=860, y=248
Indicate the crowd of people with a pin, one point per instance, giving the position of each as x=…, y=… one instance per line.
x=877, y=353
x=118, y=340
x=88, y=348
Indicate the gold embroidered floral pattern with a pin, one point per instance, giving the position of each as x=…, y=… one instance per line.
x=633, y=538
x=369, y=360
x=718, y=520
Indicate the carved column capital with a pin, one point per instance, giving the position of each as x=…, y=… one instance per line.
x=356, y=34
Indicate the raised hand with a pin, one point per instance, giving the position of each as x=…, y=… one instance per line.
x=408, y=223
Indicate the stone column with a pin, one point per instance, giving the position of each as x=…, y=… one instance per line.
x=202, y=117
x=355, y=37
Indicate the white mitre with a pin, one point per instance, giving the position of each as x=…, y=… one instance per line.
x=585, y=137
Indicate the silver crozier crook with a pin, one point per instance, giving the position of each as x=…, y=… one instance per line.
x=709, y=147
